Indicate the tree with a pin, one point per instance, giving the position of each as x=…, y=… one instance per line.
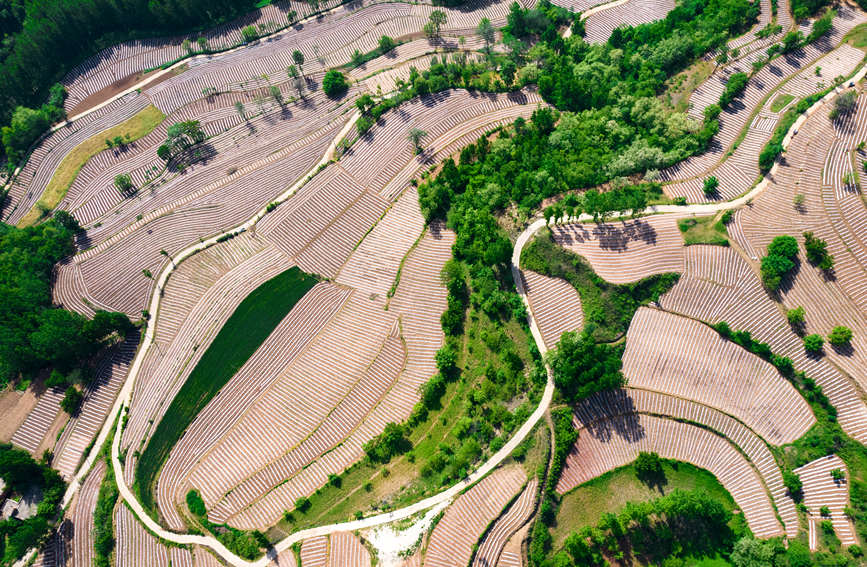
x=792, y=41
x=239, y=108
x=164, y=152
x=486, y=31
x=773, y=269
x=25, y=128
x=291, y=16
x=71, y=400
x=751, y=552
x=298, y=85
x=67, y=221
x=386, y=44
x=793, y=484
x=298, y=58
x=814, y=343
x=202, y=42
x=711, y=185
x=276, y=94
x=334, y=84
x=415, y=136
x=357, y=58
x=799, y=201
x=123, y=183
x=292, y=71
x=817, y=252
x=648, y=467
x=785, y=246
x=392, y=441
x=796, y=317
x=840, y=336
x=838, y=475
x=581, y=367
x=436, y=20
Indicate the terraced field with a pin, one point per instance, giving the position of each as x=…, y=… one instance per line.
x=259, y=408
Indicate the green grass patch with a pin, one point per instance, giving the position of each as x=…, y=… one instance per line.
x=586, y=504
x=703, y=230
x=781, y=101
x=130, y=130
x=609, y=307
x=857, y=36
x=248, y=327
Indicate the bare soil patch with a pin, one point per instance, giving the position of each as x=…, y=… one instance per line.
x=14, y=407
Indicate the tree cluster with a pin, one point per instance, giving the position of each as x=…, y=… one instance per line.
x=582, y=367
x=23, y=475
x=26, y=125
x=179, y=137
x=33, y=334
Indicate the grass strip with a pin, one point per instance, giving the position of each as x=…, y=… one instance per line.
x=130, y=130
x=703, y=230
x=248, y=327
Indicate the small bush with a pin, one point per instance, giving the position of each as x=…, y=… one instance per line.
x=195, y=504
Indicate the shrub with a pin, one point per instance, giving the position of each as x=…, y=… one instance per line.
x=843, y=105
x=813, y=343
x=840, y=336
x=334, y=84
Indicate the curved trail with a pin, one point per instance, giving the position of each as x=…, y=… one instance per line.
x=124, y=396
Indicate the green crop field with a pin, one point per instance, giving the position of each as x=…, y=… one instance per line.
x=248, y=327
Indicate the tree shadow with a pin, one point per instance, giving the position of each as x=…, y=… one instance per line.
x=617, y=238
x=843, y=350
x=610, y=413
